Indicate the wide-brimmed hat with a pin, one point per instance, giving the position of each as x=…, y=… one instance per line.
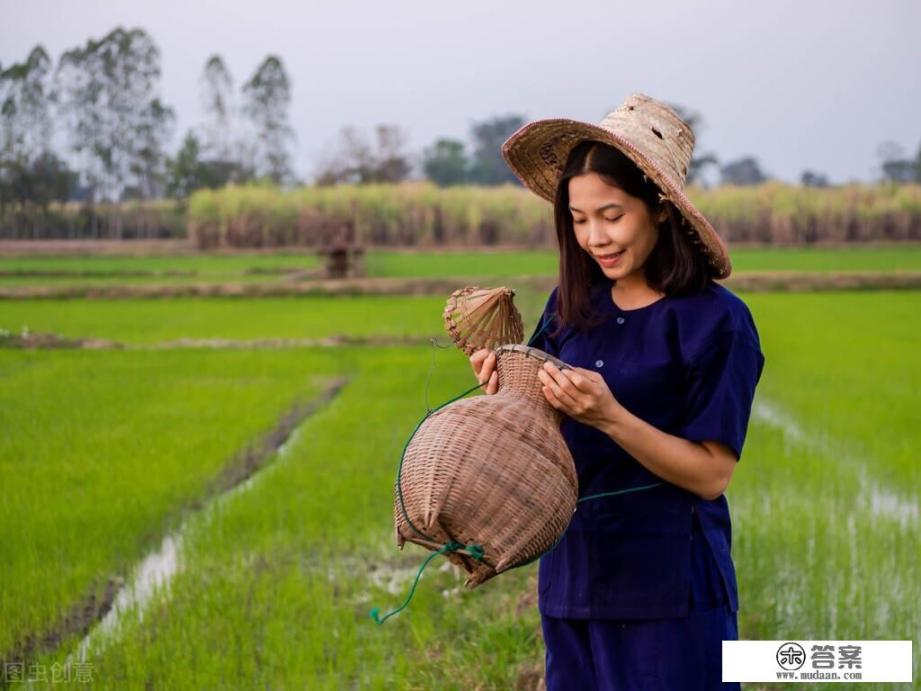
x=648, y=132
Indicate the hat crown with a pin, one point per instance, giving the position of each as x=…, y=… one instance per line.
x=656, y=131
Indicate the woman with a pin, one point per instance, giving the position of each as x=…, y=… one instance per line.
x=641, y=589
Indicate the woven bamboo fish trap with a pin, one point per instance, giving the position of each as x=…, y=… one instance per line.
x=492, y=470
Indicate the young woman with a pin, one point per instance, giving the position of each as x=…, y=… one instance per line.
x=641, y=589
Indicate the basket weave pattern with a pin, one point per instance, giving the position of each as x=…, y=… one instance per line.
x=492, y=470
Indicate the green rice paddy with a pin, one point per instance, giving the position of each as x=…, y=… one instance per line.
x=141, y=321
x=106, y=452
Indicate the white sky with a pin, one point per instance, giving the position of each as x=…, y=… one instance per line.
x=797, y=84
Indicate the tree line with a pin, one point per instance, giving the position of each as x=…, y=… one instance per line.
x=112, y=134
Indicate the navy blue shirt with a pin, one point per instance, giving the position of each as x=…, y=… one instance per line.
x=687, y=365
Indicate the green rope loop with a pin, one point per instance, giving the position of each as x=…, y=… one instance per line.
x=474, y=551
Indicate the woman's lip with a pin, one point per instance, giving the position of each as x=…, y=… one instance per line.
x=609, y=259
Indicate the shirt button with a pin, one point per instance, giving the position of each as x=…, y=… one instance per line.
x=599, y=363
x=620, y=320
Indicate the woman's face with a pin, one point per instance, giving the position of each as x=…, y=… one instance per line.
x=614, y=227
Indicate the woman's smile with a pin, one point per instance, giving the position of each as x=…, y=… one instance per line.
x=609, y=260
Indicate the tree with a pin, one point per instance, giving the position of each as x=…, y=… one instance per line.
x=154, y=127
x=391, y=164
x=25, y=121
x=699, y=161
x=220, y=151
x=267, y=98
x=117, y=125
x=189, y=172
x=918, y=165
x=896, y=166
x=489, y=168
x=743, y=171
x=446, y=163
x=811, y=179
x=217, y=100
x=29, y=171
x=40, y=181
x=357, y=161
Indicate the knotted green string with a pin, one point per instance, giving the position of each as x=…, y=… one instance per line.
x=473, y=550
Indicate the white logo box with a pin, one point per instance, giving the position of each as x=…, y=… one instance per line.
x=796, y=660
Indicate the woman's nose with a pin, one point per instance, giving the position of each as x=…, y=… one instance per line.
x=596, y=234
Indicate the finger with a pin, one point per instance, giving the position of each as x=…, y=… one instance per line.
x=478, y=357
x=561, y=377
x=551, y=398
x=556, y=402
x=488, y=368
x=493, y=385
x=592, y=375
x=559, y=389
x=554, y=371
x=476, y=365
x=579, y=380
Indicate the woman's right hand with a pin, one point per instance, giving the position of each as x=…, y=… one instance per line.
x=483, y=363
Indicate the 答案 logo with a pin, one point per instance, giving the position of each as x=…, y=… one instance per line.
x=791, y=656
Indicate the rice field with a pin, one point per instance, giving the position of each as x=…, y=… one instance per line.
x=108, y=455
x=136, y=321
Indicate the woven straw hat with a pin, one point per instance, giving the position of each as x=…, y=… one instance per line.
x=645, y=130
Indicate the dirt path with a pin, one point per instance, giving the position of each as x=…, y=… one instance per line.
x=767, y=281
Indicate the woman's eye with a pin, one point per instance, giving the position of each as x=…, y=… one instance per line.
x=609, y=220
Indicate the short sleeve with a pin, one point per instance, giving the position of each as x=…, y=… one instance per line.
x=721, y=388
x=543, y=337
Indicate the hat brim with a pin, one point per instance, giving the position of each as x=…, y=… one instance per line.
x=537, y=152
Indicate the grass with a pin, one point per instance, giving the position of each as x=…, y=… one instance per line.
x=141, y=321
x=101, y=451
x=107, y=269
x=281, y=577
x=826, y=259
x=847, y=364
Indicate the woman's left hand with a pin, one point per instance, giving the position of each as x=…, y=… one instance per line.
x=579, y=393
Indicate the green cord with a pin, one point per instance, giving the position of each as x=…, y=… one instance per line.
x=476, y=551
x=620, y=491
x=591, y=496
x=473, y=550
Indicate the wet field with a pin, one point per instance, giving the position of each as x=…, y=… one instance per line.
x=203, y=515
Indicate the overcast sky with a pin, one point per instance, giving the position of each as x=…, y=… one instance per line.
x=799, y=85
